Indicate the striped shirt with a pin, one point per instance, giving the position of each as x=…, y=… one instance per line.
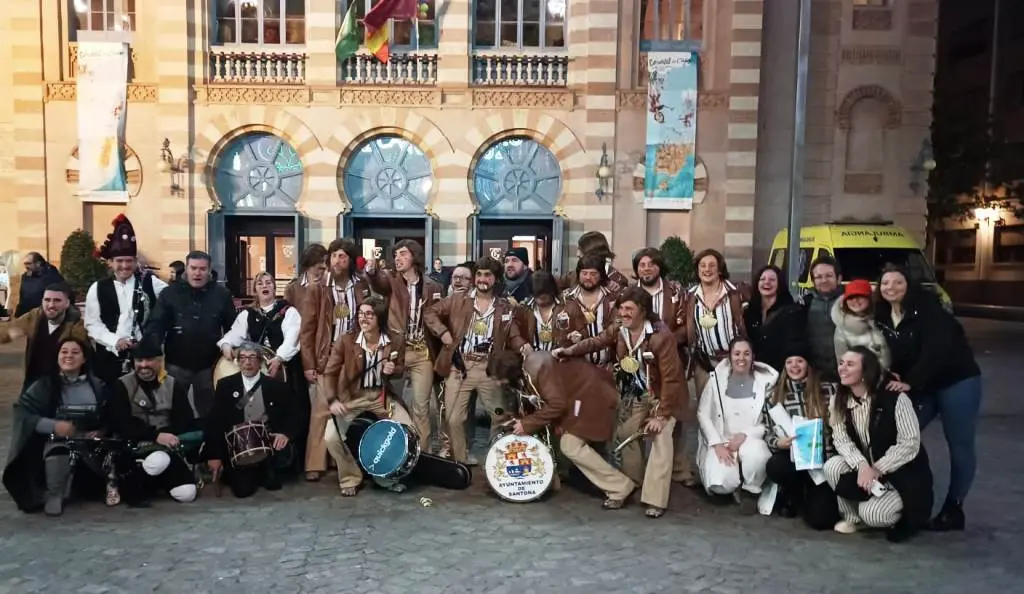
x=542, y=327
x=344, y=296
x=595, y=328
x=795, y=403
x=473, y=339
x=373, y=368
x=657, y=297
x=414, y=329
x=639, y=379
x=714, y=340
x=908, y=440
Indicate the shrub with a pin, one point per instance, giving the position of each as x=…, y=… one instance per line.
x=79, y=264
x=679, y=261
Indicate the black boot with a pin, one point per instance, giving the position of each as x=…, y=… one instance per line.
x=949, y=518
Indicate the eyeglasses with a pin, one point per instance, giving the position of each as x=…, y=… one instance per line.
x=461, y=277
x=248, y=357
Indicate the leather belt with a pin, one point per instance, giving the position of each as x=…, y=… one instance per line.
x=474, y=357
x=416, y=345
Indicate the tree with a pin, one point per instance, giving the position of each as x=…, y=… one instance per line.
x=79, y=263
x=679, y=261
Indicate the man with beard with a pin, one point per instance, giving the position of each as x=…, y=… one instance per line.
x=594, y=243
x=544, y=320
x=188, y=320
x=471, y=326
x=328, y=313
x=409, y=293
x=517, y=287
x=820, y=327
x=312, y=271
x=461, y=282
x=45, y=327
x=648, y=372
x=116, y=308
x=666, y=298
x=151, y=410
x=39, y=274
x=594, y=302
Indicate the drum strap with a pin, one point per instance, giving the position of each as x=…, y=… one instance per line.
x=249, y=394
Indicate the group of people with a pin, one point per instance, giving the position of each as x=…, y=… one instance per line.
x=131, y=396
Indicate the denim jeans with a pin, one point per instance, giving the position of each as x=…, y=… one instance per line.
x=957, y=406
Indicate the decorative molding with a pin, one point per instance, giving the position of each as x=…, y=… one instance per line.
x=872, y=19
x=893, y=107
x=392, y=97
x=251, y=95
x=629, y=100
x=871, y=56
x=68, y=91
x=72, y=73
x=863, y=183
x=527, y=99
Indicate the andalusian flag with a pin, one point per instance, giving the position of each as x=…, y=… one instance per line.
x=347, y=43
x=376, y=22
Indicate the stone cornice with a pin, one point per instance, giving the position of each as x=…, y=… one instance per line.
x=637, y=99
x=68, y=91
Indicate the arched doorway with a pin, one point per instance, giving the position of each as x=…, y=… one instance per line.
x=387, y=180
x=517, y=183
x=257, y=178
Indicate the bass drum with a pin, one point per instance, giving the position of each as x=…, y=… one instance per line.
x=223, y=369
x=520, y=468
x=355, y=433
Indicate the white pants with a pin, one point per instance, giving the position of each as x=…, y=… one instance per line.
x=720, y=479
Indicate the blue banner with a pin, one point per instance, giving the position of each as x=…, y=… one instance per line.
x=671, y=130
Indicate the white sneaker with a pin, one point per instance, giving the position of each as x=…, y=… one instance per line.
x=845, y=527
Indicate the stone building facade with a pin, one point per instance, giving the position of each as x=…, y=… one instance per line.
x=490, y=137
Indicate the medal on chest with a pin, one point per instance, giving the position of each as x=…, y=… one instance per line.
x=342, y=311
x=708, y=321
x=480, y=327
x=629, y=364
x=590, y=315
x=545, y=334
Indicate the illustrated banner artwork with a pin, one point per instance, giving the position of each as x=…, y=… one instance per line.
x=102, y=99
x=671, y=130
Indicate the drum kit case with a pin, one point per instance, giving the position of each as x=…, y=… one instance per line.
x=390, y=450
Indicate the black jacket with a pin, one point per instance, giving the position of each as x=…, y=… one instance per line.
x=32, y=288
x=774, y=337
x=228, y=411
x=189, y=322
x=929, y=348
x=127, y=426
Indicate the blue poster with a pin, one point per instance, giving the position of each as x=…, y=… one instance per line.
x=671, y=130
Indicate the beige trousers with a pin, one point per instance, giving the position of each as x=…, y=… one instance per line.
x=316, y=451
x=419, y=370
x=657, y=476
x=604, y=476
x=456, y=404
x=349, y=473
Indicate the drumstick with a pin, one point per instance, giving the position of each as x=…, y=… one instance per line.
x=384, y=383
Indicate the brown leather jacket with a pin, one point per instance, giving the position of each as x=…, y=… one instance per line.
x=27, y=325
x=666, y=373
x=317, y=333
x=578, y=397
x=345, y=367
x=455, y=315
x=686, y=323
x=563, y=323
x=393, y=286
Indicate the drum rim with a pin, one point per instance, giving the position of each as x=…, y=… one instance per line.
x=405, y=439
x=489, y=462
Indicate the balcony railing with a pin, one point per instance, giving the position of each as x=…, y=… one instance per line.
x=401, y=69
x=257, y=66
x=520, y=70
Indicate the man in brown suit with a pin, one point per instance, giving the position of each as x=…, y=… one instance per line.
x=592, y=300
x=312, y=271
x=648, y=372
x=471, y=326
x=579, y=401
x=45, y=327
x=409, y=294
x=545, y=322
x=328, y=313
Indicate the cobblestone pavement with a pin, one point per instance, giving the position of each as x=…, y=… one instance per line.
x=307, y=539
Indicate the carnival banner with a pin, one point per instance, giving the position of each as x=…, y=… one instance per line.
x=671, y=130
x=102, y=96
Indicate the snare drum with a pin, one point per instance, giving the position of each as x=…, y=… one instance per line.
x=248, y=444
x=389, y=450
x=519, y=468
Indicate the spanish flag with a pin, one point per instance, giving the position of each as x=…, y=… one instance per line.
x=376, y=22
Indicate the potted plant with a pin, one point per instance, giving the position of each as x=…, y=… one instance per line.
x=79, y=263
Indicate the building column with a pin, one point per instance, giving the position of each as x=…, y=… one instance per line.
x=30, y=191
x=322, y=23
x=454, y=49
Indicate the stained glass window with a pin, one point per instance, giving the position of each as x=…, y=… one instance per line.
x=388, y=173
x=258, y=170
x=517, y=174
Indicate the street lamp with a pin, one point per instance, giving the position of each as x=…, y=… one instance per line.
x=604, y=174
x=176, y=166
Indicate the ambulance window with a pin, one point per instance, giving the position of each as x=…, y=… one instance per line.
x=779, y=259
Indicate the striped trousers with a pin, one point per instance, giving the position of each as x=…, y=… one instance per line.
x=877, y=512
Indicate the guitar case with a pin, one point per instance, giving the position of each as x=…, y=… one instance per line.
x=429, y=470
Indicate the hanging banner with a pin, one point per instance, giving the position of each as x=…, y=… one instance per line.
x=102, y=99
x=671, y=130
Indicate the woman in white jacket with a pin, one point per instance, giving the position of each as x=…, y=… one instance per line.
x=731, y=451
x=854, y=318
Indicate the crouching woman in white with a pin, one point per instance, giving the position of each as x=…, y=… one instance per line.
x=881, y=474
x=731, y=452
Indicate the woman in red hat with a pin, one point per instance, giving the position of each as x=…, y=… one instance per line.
x=854, y=317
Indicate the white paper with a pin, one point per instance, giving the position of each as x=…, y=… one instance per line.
x=766, y=501
x=576, y=409
x=782, y=419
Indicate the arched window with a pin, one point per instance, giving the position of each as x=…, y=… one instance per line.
x=387, y=172
x=258, y=170
x=517, y=174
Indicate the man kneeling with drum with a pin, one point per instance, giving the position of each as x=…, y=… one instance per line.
x=250, y=428
x=580, y=400
x=356, y=382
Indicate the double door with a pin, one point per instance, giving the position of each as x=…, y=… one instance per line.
x=258, y=244
x=377, y=236
x=540, y=237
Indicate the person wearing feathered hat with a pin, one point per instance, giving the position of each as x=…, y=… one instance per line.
x=117, y=307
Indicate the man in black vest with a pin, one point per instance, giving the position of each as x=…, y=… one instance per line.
x=116, y=308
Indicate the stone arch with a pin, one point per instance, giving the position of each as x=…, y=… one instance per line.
x=894, y=110
x=558, y=138
x=371, y=133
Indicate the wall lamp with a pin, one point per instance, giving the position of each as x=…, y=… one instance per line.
x=923, y=164
x=988, y=214
x=604, y=173
x=176, y=166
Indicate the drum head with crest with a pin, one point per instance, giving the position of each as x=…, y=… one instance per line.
x=385, y=449
x=519, y=468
